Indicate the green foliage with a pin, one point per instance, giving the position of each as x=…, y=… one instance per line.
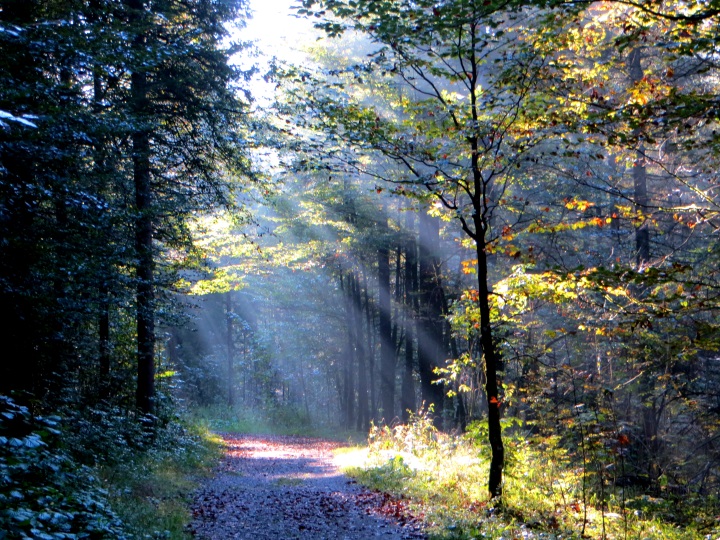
x=100, y=476
x=544, y=496
x=44, y=493
x=151, y=490
x=109, y=435
x=419, y=435
x=279, y=419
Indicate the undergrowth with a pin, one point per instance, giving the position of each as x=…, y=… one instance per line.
x=99, y=474
x=151, y=492
x=44, y=492
x=545, y=493
x=277, y=420
x=281, y=421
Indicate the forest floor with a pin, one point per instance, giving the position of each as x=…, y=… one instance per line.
x=270, y=487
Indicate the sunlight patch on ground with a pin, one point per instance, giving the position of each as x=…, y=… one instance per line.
x=362, y=458
x=409, y=460
x=346, y=458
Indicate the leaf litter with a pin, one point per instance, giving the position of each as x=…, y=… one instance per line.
x=280, y=487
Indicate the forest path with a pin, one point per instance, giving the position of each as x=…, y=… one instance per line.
x=279, y=487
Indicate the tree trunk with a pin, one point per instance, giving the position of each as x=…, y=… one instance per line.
x=347, y=398
x=145, y=266
x=639, y=174
x=481, y=218
x=387, y=350
x=363, y=415
x=491, y=384
x=104, y=337
x=370, y=321
x=103, y=292
x=407, y=396
x=429, y=328
x=230, y=349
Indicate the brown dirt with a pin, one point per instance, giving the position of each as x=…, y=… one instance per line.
x=276, y=487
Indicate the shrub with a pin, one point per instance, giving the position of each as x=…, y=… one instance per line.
x=44, y=493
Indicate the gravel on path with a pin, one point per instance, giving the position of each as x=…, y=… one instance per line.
x=279, y=487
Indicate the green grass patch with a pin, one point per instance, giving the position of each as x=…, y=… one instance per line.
x=151, y=492
x=445, y=477
x=272, y=421
x=291, y=481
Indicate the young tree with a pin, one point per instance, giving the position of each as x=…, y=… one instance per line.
x=457, y=127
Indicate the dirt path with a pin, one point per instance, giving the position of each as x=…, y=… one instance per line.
x=272, y=487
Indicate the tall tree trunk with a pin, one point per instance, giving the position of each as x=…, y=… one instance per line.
x=491, y=383
x=21, y=367
x=104, y=338
x=230, y=349
x=647, y=383
x=370, y=322
x=103, y=292
x=481, y=218
x=396, y=335
x=363, y=415
x=407, y=394
x=347, y=398
x=429, y=328
x=387, y=350
x=639, y=174
x=145, y=266
x=481, y=222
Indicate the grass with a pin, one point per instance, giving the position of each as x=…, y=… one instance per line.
x=277, y=421
x=444, y=478
x=151, y=492
x=288, y=481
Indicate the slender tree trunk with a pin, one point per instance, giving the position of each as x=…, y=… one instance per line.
x=639, y=174
x=481, y=217
x=303, y=387
x=350, y=387
x=104, y=337
x=145, y=277
x=100, y=167
x=387, y=350
x=647, y=387
x=230, y=349
x=61, y=324
x=348, y=390
x=481, y=224
x=491, y=383
x=145, y=266
x=363, y=416
x=407, y=396
x=103, y=323
x=429, y=328
x=340, y=372
x=370, y=322
x=396, y=334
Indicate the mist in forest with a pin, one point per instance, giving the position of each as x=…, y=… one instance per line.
x=357, y=294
